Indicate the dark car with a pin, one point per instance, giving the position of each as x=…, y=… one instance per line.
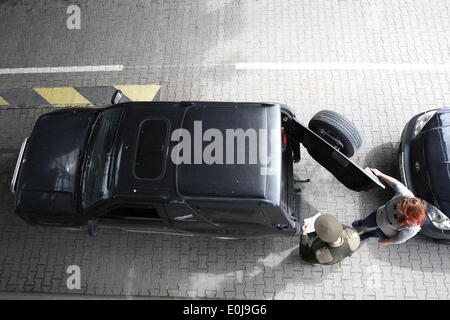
x=120, y=167
x=424, y=166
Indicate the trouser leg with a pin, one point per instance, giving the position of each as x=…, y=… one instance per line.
x=376, y=233
x=371, y=220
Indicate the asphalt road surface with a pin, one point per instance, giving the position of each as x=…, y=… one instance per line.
x=376, y=62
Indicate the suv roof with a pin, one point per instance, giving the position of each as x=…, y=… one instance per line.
x=195, y=180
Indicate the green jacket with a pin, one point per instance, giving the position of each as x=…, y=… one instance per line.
x=321, y=252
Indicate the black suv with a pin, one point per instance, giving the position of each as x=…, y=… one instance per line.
x=119, y=167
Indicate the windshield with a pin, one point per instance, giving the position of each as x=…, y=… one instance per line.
x=95, y=182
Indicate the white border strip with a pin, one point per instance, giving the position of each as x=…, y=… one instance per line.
x=62, y=69
x=342, y=66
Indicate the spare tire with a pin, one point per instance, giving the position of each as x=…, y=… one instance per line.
x=337, y=130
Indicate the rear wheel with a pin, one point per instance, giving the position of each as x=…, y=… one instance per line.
x=337, y=130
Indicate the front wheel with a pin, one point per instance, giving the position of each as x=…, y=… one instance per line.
x=337, y=130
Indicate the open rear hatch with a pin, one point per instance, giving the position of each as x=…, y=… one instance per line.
x=346, y=171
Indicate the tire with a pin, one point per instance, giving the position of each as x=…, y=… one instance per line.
x=342, y=129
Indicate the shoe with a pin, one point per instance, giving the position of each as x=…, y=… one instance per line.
x=357, y=223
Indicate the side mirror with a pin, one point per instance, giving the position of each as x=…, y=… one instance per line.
x=117, y=96
x=92, y=227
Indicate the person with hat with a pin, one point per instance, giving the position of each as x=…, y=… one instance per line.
x=334, y=241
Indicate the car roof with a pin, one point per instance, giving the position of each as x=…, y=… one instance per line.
x=197, y=180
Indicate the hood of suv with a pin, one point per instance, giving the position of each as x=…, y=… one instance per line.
x=48, y=174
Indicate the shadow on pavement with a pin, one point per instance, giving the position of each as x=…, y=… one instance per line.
x=8, y=159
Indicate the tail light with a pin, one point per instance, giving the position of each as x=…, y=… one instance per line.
x=283, y=139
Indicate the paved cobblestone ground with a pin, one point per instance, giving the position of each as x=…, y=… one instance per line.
x=191, y=48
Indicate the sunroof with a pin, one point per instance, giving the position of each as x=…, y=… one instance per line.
x=151, y=148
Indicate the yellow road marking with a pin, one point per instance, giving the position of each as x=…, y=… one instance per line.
x=63, y=96
x=139, y=92
x=3, y=102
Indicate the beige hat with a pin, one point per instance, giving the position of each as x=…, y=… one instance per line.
x=328, y=228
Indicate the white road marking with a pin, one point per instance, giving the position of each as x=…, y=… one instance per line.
x=245, y=66
x=342, y=66
x=161, y=66
x=105, y=68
